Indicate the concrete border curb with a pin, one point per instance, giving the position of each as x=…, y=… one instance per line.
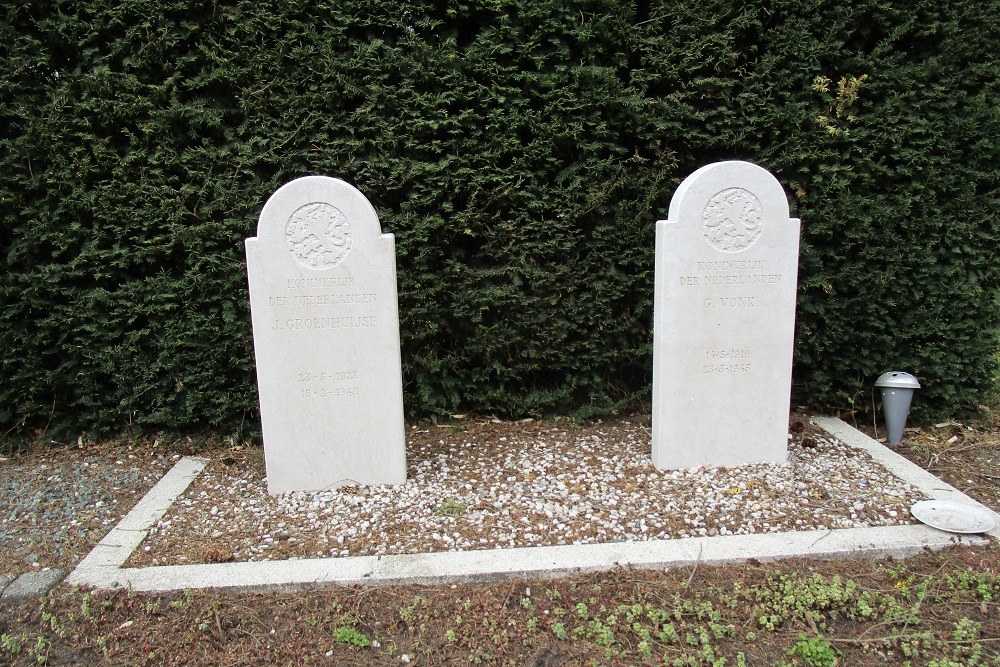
x=902, y=467
x=102, y=567
x=112, y=552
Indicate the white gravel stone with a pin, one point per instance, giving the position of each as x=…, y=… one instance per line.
x=550, y=486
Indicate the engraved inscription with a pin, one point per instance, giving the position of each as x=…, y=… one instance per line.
x=347, y=322
x=330, y=392
x=318, y=235
x=736, y=353
x=732, y=302
x=734, y=369
x=759, y=279
x=339, y=376
x=321, y=283
x=732, y=265
x=328, y=385
x=709, y=280
x=733, y=219
x=320, y=299
x=735, y=361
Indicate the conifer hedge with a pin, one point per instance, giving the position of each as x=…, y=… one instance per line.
x=520, y=152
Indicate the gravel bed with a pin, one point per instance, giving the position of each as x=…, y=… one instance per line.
x=486, y=485
x=55, y=505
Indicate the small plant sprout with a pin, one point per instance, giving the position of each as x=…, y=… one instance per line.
x=348, y=634
x=814, y=651
x=9, y=644
x=41, y=651
x=451, y=507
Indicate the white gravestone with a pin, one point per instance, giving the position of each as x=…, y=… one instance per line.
x=326, y=338
x=724, y=320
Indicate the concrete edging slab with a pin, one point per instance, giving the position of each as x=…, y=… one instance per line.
x=30, y=585
x=112, y=551
x=102, y=568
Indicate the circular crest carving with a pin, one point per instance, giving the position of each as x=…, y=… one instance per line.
x=733, y=219
x=318, y=235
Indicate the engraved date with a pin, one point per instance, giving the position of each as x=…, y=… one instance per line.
x=328, y=385
x=330, y=392
x=732, y=369
x=339, y=376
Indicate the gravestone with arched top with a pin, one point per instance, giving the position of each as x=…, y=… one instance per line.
x=724, y=320
x=326, y=339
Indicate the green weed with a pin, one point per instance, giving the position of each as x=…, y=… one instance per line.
x=10, y=644
x=451, y=507
x=348, y=634
x=814, y=651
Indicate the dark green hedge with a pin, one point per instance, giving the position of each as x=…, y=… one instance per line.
x=520, y=152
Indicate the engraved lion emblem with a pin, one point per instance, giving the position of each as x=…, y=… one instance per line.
x=318, y=235
x=733, y=219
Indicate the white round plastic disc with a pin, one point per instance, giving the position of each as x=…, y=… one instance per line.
x=953, y=517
